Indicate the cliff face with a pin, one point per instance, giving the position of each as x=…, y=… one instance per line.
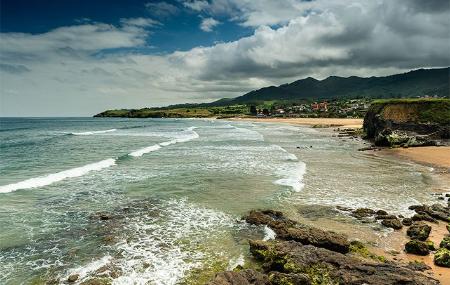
x=413, y=122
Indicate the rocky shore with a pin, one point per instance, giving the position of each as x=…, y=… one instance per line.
x=302, y=254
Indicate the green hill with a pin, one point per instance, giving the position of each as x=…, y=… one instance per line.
x=415, y=83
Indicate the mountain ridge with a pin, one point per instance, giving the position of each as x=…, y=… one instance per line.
x=419, y=82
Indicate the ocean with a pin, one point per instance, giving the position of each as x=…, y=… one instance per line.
x=159, y=201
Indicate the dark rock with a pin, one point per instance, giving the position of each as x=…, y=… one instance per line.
x=430, y=245
x=345, y=209
x=381, y=213
x=385, y=217
x=243, y=277
x=423, y=217
x=363, y=213
x=431, y=213
x=419, y=230
x=417, y=247
x=392, y=223
x=442, y=257
x=418, y=266
x=97, y=281
x=277, y=278
x=323, y=266
x=290, y=230
x=72, y=278
x=407, y=221
x=445, y=242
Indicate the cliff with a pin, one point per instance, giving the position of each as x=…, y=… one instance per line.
x=408, y=122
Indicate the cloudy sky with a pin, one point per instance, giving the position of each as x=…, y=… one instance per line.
x=80, y=57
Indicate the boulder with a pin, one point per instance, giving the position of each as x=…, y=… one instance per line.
x=290, y=230
x=442, y=257
x=385, y=217
x=72, y=278
x=392, y=223
x=243, y=277
x=417, y=247
x=407, y=221
x=362, y=213
x=419, y=231
x=381, y=213
x=445, y=243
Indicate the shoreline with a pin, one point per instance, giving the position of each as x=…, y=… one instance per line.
x=432, y=156
x=324, y=122
x=435, y=156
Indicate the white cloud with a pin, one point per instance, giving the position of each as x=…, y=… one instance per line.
x=208, y=24
x=139, y=22
x=60, y=72
x=161, y=9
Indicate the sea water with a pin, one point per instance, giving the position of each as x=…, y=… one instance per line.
x=173, y=190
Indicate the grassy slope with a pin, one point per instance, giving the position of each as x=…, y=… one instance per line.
x=419, y=110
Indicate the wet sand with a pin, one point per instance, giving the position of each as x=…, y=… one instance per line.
x=430, y=155
x=332, y=122
x=394, y=250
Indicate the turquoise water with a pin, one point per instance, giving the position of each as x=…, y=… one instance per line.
x=174, y=191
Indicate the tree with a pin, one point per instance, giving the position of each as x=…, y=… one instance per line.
x=253, y=110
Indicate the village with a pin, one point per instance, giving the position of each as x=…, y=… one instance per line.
x=351, y=108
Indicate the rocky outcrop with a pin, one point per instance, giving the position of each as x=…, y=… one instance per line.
x=244, y=277
x=442, y=257
x=305, y=255
x=419, y=231
x=408, y=122
x=417, y=247
x=323, y=266
x=290, y=230
x=431, y=213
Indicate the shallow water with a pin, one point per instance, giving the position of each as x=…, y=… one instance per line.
x=175, y=190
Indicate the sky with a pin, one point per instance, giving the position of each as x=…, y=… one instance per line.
x=79, y=57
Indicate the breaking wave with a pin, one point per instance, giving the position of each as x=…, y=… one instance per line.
x=93, y=132
x=55, y=177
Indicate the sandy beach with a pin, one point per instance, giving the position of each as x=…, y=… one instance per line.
x=430, y=155
x=333, y=122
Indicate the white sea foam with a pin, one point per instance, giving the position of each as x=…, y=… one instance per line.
x=85, y=271
x=235, y=262
x=269, y=233
x=93, y=132
x=289, y=156
x=55, y=177
x=162, y=248
x=182, y=137
x=142, y=151
x=293, y=175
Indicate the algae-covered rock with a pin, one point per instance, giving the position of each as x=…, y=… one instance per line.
x=417, y=247
x=324, y=266
x=97, y=281
x=243, y=277
x=445, y=243
x=419, y=230
x=407, y=221
x=442, y=257
x=278, y=278
x=430, y=245
x=392, y=223
x=362, y=213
